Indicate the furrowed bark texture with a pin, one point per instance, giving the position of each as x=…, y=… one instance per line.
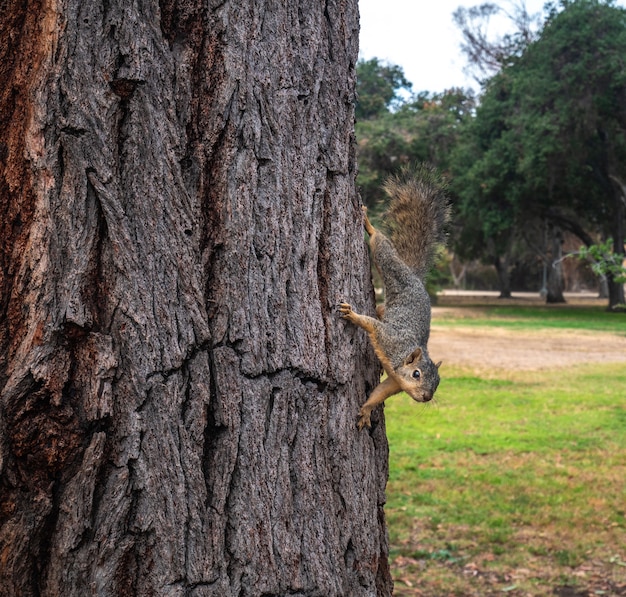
x=179, y=222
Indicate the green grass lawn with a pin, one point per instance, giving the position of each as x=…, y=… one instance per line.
x=539, y=318
x=515, y=483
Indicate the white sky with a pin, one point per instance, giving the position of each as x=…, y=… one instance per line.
x=421, y=37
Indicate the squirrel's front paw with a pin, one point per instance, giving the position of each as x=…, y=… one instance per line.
x=364, y=419
x=346, y=310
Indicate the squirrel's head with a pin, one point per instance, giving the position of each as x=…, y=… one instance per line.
x=418, y=376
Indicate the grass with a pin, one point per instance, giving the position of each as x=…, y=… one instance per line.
x=538, y=318
x=514, y=484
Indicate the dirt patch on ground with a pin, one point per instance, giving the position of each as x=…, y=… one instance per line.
x=504, y=348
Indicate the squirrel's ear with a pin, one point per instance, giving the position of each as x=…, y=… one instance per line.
x=416, y=355
x=437, y=365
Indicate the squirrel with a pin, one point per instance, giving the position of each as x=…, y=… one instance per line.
x=417, y=213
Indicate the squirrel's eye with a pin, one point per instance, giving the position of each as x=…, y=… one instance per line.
x=417, y=374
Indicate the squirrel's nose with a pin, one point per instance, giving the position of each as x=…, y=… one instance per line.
x=427, y=397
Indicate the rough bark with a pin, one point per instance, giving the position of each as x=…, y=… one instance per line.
x=179, y=220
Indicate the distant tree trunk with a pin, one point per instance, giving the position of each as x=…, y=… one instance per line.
x=554, y=282
x=501, y=263
x=500, y=254
x=178, y=397
x=554, y=285
x=615, y=287
x=615, y=293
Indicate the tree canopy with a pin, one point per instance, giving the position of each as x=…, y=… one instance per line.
x=422, y=127
x=543, y=150
x=488, y=54
x=548, y=141
x=379, y=87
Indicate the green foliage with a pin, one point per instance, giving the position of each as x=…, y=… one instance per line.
x=569, y=113
x=378, y=87
x=549, y=138
x=544, y=151
x=604, y=261
x=423, y=129
x=484, y=176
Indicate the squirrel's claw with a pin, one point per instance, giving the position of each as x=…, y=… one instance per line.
x=347, y=313
x=345, y=309
x=364, y=421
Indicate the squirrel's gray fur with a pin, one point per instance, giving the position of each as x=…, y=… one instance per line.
x=417, y=212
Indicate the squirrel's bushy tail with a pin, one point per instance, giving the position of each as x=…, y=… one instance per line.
x=417, y=212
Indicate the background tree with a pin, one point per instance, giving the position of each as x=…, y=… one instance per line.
x=488, y=54
x=546, y=148
x=483, y=168
x=177, y=395
x=570, y=118
x=423, y=128
x=379, y=88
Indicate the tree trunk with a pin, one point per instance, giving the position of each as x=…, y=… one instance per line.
x=554, y=281
x=178, y=396
x=615, y=294
x=616, y=287
x=501, y=263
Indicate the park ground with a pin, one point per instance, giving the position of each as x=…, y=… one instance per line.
x=501, y=348
x=533, y=542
